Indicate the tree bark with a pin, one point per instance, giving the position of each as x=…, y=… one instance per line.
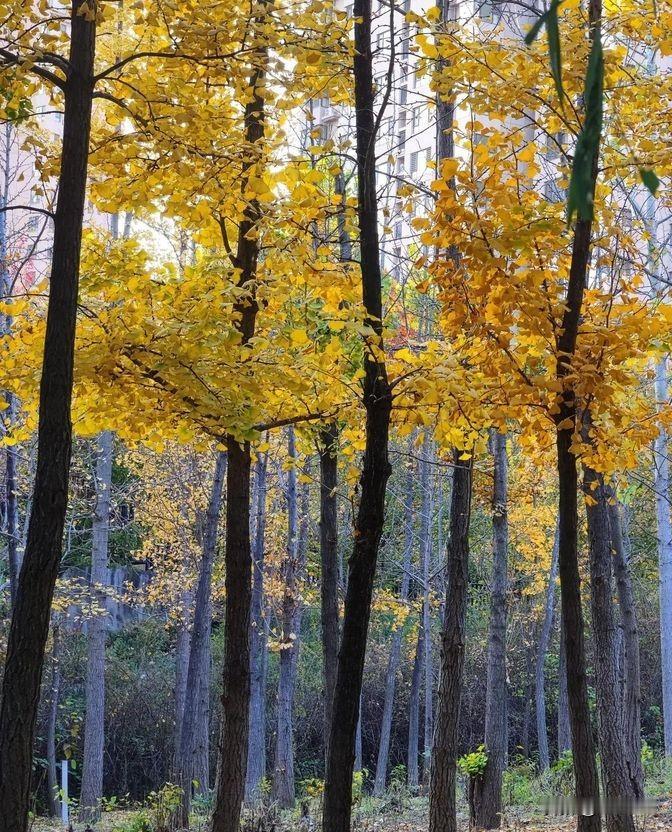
x=632, y=694
x=539, y=676
x=234, y=734
x=395, y=649
x=585, y=771
x=256, y=761
x=426, y=561
x=412, y=765
x=442, y=796
x=609, y=712
x=53, y=802
x=329, y=564
x=377, y=397
x=664, y=533
x=11, y=504
x=30, y=620
x=564, y=728
x=94, y=726
x=488, y=805
x=197, y=688
x=283, y=774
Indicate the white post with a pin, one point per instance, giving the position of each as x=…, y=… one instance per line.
x=65, y=808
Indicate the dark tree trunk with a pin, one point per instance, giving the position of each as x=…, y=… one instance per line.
x=53, y=802
x=412, y=766
x=283, y=774
x=234, y=734
x=539, y=676
x=632, y=695
x=564, y=728
x=488, y=805
x=395, y=649
x=609, y=702
x=426, y=561
x=442, y=796
x=94, y=726
x=233, y=740
x=197, y=689
x=256, y=762
x=377, y=397
x=585, y=771
x=329, y=564
x=30, y=619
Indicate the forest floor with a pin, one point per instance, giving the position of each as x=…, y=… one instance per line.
x=410, y=818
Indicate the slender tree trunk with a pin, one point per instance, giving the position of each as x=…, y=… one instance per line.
x=11, y=503
x=442, y=796
x=197, y=688
x=283, y=775
x=632, y=695
x=609, y=703
x=664, y=526
x=30, y=620
x=412, y=765
x=181, y=669
x=539, y=676
x=54, y=693
x=256, y=762
x=377, y=397
x=329, y=564
x=395, y=649
x=426, y=560
x=234, y=734
x=94, y=726
x=585, y=771
x=564, y=728
x=358, y=740
x=488, y=806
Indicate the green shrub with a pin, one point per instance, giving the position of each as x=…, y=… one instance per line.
x=474, y=763
x=138, y=823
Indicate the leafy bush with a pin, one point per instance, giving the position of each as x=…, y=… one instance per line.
x=138, y=823
x=520, y=786
x=474, y=763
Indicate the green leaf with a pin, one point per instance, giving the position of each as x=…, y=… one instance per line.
x=581, y=195
x=650, y=180
x=549, y=19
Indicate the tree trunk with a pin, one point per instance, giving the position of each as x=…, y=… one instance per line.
x=488, y=804
x=53, y=802
x=256, y=761
x=442, y=796
x=181, y=668
x=30, y=620
x=564, y=728
x=94, y=726
x=585, y=771
x=664, y=528
x=539, y=678
x=632, y=695
x=283, y=774
x=377, y=397
x=234, y=734
x=11, y=505
x=329, y=564
x=395, y=649
x=426, y=561
x=609, y=712
x=412, y=765
x=197, y=689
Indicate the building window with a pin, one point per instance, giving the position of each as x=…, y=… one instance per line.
x=414, y=162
